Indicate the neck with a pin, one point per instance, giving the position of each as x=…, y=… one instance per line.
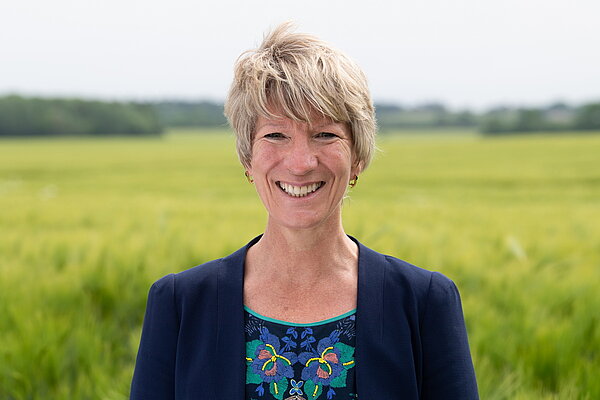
x=293, y=253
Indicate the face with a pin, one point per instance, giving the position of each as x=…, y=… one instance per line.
x=301, y=172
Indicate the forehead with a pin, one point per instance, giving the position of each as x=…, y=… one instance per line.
x=316, y=122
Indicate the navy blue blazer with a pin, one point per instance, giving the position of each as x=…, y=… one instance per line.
x=411, y=341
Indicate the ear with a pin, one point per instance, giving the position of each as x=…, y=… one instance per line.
x=248, y=166
x=357, y=167
x=248, y=171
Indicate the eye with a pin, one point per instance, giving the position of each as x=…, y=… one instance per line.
x=326, y=135
x=274, y=135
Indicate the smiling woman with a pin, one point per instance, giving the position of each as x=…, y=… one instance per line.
x=301, y=170
x=303, y=311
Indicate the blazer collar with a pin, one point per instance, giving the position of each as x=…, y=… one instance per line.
x=369, y=315
x=231, y=367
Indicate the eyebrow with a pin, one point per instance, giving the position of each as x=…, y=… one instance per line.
x=271, y=125
x=285, y=125
x=325, y=124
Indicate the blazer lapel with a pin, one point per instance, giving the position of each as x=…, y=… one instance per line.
x=230, y=375
x=369, y=319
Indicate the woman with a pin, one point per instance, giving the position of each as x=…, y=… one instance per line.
x=303, y=311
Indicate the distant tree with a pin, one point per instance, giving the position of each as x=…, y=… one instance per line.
x=432, y=107
x=387, y=108
x=498, y=120
x=588, y=117
x=529, y=120
x=187, y=113
x=465, y=118
x=558, y=106
x=493, y=124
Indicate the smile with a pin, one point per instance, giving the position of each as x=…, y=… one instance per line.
x=299, y=191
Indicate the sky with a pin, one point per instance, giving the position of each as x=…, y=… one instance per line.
x=464, y=53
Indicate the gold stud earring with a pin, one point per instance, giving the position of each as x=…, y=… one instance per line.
x=353, y=181
x=250, y=179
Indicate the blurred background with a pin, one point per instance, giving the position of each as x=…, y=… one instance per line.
x=117, y=167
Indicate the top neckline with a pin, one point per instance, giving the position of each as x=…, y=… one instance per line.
x=277, y=321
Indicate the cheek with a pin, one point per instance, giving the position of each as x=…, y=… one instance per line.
x=262, y=160
x=341, y=158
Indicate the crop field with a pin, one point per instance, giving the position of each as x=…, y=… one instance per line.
x=87, y=224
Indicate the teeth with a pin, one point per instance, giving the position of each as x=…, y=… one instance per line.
x=299, y=191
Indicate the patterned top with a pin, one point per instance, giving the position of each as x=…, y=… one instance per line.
x=287, y=361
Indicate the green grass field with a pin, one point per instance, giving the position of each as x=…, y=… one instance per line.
x=86, y=225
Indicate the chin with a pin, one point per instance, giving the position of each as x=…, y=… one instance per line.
x=302, y=220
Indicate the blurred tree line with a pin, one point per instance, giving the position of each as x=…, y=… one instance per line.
x=190, y=114
x=499, y=120
x=22, y=116
x=429, y=115
x=556, y=117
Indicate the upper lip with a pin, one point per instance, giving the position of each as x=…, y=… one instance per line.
x=298, y=183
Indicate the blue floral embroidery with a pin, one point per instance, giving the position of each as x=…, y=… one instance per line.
x=260, y=390
x=330, y=394
x=269, y=361
x=308, y=339
x=296, y=387
x=288, y=340
x=279, y=361
x=328, y=365
x=346, y=327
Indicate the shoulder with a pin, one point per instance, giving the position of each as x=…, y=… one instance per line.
x=430, y=289
x=200, y=275
x=401, y=271
x=435, y=296
x=405, y=279
x=203, y=280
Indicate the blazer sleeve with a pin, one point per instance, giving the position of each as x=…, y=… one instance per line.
x=154, y=373
x=447, y=366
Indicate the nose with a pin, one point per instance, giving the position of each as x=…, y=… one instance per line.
x=301, y=159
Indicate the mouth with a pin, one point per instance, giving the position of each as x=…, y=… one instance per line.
x=299, y=191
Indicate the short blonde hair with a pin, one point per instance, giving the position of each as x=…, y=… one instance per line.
x=299, y=74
